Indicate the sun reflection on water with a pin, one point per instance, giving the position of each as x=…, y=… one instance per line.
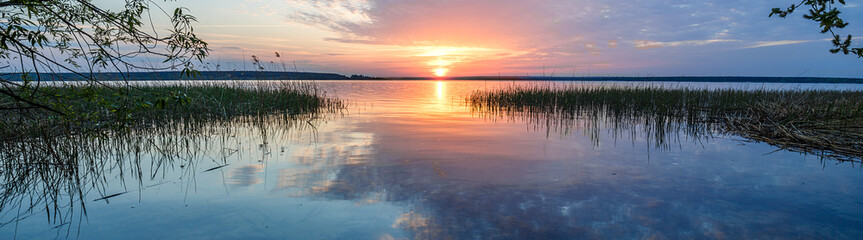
x=441, y=90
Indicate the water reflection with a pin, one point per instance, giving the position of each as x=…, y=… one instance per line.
x=469, y=178
x=245, y=176
x=408, y=162
x=441, y=90
x=58, y=178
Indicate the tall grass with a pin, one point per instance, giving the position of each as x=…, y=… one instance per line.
x=97, y=107
x=823, y=122
x=49, y=162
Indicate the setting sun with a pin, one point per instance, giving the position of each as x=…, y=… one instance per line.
x=440, y=72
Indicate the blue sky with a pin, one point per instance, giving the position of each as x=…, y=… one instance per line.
x=519, y=37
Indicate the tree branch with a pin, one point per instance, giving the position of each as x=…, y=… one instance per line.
x=21, y=3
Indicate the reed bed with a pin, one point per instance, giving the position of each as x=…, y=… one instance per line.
x=88, y=108
x=49, y=162
x=822, y=122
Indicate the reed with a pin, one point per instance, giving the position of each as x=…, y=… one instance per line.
x=822, y=122
x=50, y=162
x=90, y=108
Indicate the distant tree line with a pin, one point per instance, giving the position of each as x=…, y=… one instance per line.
x=201, y=75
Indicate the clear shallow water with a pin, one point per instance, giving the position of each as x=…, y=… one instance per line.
x=409, y=160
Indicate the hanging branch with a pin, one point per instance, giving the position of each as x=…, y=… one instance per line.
x=824, y=12
x=101, y=39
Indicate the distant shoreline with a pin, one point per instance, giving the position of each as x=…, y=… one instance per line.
x=655, y=79
x=269, y=75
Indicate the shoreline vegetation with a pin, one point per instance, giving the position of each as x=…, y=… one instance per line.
x=95, y=107
x=53, y=161
x=826, y=123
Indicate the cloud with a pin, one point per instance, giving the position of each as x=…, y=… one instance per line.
x=722, y=34
x=485, y=23
x=239, y=26
x=339, y=15
x=516, y=23
x=352, y=39
x=778, y=43
x=646, y=44
x=392, y=34
x=591, y=48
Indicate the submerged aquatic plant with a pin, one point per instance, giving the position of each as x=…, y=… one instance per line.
x=822, y=122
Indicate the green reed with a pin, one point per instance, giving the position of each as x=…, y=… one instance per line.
x=49, y=162
x=822, y=122
x=93, y=107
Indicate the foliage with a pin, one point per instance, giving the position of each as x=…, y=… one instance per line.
x=827, y=15
x=45, y=37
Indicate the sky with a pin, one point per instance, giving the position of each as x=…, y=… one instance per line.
x=521, y=37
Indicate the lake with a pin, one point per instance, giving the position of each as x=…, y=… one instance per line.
x=411, y=160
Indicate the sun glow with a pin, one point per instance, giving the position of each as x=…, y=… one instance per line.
x=441, y=61
x=442, y=58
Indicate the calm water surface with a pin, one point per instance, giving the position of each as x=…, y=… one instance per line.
x=408, y=160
